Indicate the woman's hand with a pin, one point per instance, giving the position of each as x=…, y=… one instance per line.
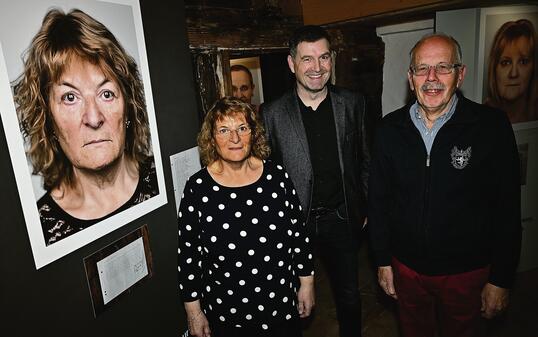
x=198, y=324
x=305, y=296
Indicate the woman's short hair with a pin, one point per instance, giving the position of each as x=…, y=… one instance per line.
x=61, y=39
x=509, y=32
x=224, y=107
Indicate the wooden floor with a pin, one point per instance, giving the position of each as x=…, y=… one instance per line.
x=378, y=314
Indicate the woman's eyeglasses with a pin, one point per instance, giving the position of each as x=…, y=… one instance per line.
x=225, y=133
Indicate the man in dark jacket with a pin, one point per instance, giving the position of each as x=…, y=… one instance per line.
x=444, y=202
x=317, y=131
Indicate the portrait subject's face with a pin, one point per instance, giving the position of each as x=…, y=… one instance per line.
x=241, y=86
x=434, y=91
x=515, y=69
x=88, y=113
x=233, y=138
x=312, y=65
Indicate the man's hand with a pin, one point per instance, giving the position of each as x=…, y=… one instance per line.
x=385, y=278
x=305, y=296
x=494, y=300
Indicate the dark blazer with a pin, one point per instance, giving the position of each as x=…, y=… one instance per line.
x=287, y=137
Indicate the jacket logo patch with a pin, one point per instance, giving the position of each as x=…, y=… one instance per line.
x=460, y=158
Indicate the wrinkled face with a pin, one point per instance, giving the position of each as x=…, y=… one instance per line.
x=434, y=91
x=515, y=69
x=312, y=65
x=233, y=146
x=88, y=113
x=241, y=86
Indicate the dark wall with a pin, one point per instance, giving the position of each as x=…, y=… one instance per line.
x=276, y=75
x=55, y=300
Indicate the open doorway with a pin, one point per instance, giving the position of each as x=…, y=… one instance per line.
x=271, y=74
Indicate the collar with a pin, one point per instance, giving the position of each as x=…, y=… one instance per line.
x=464, y=113
x=415, y=111
x=307, y=109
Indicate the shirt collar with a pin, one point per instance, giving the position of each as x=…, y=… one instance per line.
x=305, y=108
x=444, y=117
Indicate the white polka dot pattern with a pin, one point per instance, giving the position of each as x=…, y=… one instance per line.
x=241, y=249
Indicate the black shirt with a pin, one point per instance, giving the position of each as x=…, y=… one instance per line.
x=321, y=134
x=58, y=224
x=242, y=248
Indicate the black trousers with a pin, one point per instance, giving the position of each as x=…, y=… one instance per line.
x=291, y=328
x=338, y=250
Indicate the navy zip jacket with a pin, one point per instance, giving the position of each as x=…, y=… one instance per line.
x=458, y=209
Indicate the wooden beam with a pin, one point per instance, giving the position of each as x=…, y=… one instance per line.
x=321, y=12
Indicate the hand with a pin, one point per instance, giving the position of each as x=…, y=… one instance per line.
x=385, y=278
x=494, y=300
x=198, y=324
x=306, y=296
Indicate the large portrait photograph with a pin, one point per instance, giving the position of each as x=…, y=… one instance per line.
x=508, y=80
x=78, y=114
x=509, y=52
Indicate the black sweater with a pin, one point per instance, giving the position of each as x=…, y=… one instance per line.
x=460, y=211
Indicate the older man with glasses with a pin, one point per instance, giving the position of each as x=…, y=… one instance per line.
x=444, y=201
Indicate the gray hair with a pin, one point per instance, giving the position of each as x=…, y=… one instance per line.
x=455, y=45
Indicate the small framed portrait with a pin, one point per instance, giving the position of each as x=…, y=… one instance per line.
x=246, y=77
x=508, y=66
x=77, y=110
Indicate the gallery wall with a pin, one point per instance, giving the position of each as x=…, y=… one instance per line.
x=399, y=39
x=55, y=300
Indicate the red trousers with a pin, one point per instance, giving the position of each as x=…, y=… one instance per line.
x=450, y=302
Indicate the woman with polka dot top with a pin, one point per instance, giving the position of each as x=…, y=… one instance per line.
x=245, y=259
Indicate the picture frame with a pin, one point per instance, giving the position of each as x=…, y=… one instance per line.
x=253, y=65
x=491, y=19
x=123, y=19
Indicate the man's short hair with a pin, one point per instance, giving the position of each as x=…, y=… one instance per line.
x=240, y=67
x=455, y=45
x=309, y=33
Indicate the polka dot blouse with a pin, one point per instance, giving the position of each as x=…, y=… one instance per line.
x=241, y=249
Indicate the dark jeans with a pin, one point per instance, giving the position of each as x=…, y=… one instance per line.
x=338, y=250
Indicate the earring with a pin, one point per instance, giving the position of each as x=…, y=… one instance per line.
x=127, y=123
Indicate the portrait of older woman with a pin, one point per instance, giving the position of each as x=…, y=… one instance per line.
x=81, y=109
x=512, y=71
x=245, y=261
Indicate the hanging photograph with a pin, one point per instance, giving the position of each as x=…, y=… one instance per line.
x=508, y=75
x=77, y=110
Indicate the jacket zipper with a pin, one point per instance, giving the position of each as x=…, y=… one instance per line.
x=426, y=202
x=426, y=194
